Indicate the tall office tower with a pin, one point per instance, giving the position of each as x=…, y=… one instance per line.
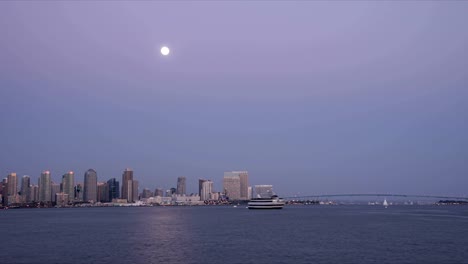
x=102, y=192
x=12, y=184
x=90, y=186
x=45, y=187
x=68, y=185
x=34, y=193
x=207, y=189
x=181, y=186
x=114, y=190
x=127, y=185
x=135, y=191
x=244, y=182
x=79, y=192
x=159, y=192
x=54, y=189
x=263, y=191
x=3, y=190
x=25, y=190
x=200, y=186
x=231, y=186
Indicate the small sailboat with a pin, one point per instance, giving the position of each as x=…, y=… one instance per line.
x=385, y=203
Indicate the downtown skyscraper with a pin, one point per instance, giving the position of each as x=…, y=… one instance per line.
x=25, y=189
x=90, y=186
x=232, y=186
x=181, y=186
x=12, y=184
x=207, y=189
x=68, y=185
x=129, y=186
x=243, y=183
x=113, y=188
x=12, y=188
x=45, y=185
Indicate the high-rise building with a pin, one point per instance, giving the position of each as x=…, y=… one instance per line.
x=250, y=192
x=34, y=193
x=54, y=189
x=135, y=191
x=79, y=192
x=127, y=185
x=3, y=191
x=114, y=190
x=263, y=191
x=207, y=189
x=231, y=186
x=90, y=186
x=12, y=184
x=25, y=189
x=45, y=185
x=200, y=186
x=68, y=185
x=102, y=192
x=181, y=186
x=244, y=182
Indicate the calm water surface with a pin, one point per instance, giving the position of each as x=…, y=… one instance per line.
x=302, y=234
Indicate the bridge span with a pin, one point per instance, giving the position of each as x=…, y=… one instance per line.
x=375, y=195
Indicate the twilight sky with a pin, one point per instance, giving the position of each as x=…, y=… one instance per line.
x=313, y=97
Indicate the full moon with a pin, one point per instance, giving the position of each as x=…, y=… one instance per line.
x=165, y=51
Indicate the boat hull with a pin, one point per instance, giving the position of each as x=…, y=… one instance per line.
x=265, y=204
x=259, y=207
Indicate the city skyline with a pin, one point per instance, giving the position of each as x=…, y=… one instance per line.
x=314, y=97
x=96, y=192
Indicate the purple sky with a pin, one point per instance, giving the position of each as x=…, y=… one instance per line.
x=312, y=97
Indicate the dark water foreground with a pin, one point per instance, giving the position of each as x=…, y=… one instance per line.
x=302, y=234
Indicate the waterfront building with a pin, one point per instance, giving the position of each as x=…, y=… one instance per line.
x=114, y=190
x=127, y=185
x=34, y=193
x=3, y=191
x=146, y=193
x=244, y=182
x=79, y=192
x=264, y=191
x=200, y=186
x=12, y=184
x=207, y=189
x=68, y=185
x=25, y=189
x=90, y=186
x=61, y=199
x=159, y=192
x=54, y=189
x=186, y=200
x=135, y=191
x=181, y=186
x=231, y=186
x=102, y=192
x=250, y=192
x=45, y=185
x=214, y=196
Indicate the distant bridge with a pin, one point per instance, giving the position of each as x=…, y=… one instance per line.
x=300, y=197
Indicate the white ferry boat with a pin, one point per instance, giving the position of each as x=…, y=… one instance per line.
x=274, y=202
